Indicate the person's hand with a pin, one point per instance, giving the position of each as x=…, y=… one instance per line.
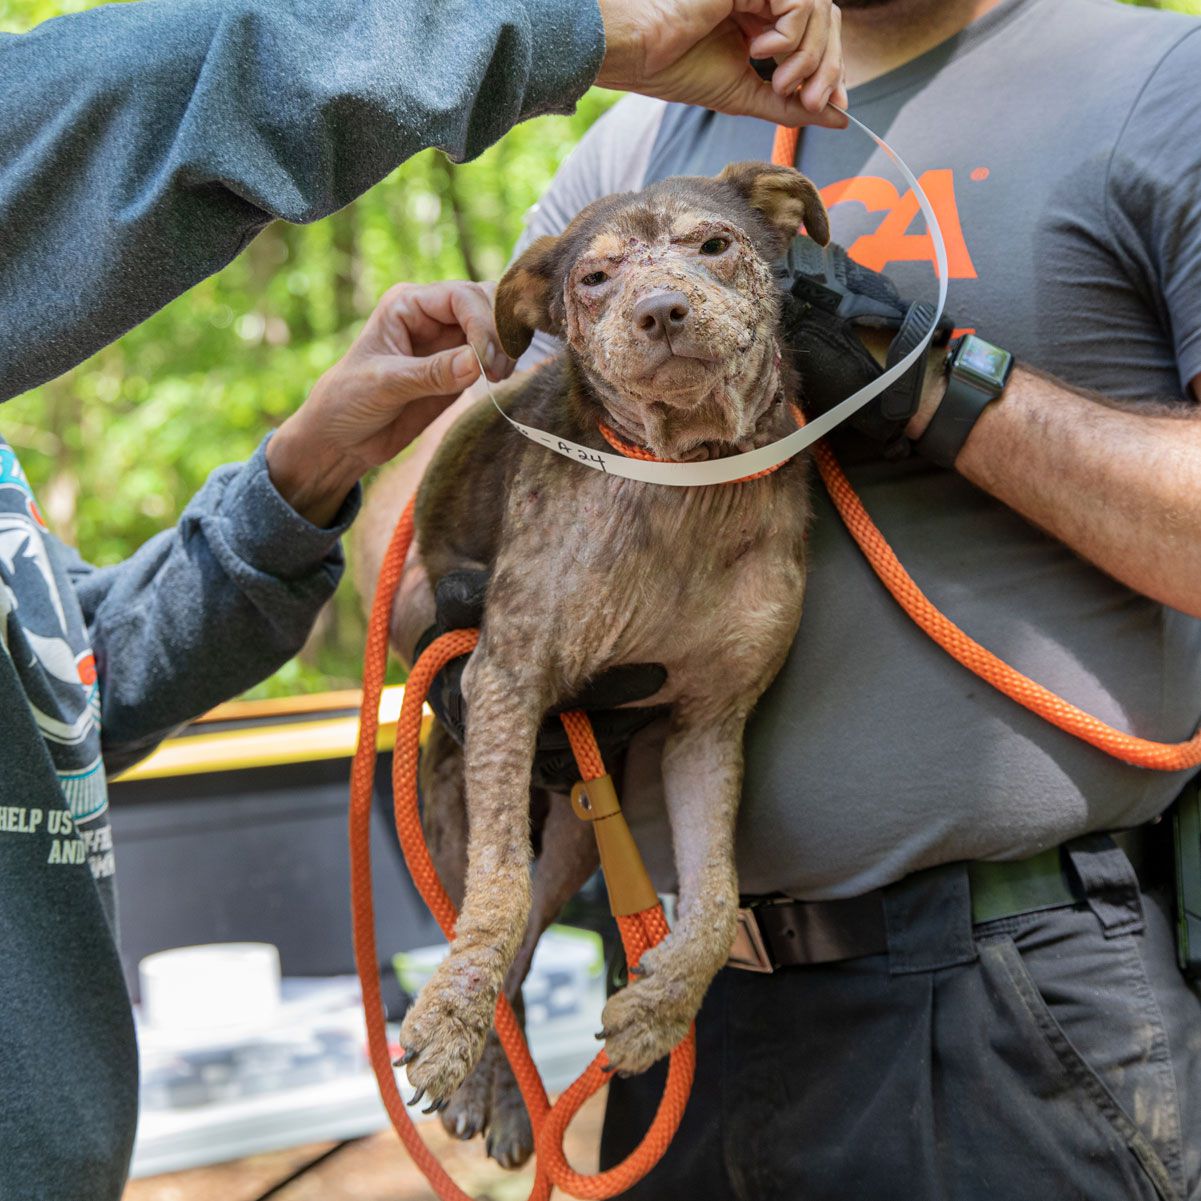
x=699, y=51
x=459, y=600
x=843, y=323
x=412, y=358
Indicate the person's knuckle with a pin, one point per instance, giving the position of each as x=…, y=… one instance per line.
x=396, y=292
x=806, y=61
x=374, y=374
x=401, y=306
x=830, y=72
x=462, y=296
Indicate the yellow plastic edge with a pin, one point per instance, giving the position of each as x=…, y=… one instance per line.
x=267, y=745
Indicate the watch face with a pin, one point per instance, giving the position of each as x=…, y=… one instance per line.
x=986, y=362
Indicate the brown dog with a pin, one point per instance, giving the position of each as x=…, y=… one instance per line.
x=669, y=314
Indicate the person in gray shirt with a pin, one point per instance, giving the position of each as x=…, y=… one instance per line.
x=973, y=994
x=142, y=147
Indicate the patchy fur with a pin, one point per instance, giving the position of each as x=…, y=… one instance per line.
x=666, y=303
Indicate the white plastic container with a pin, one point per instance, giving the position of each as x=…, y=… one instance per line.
x=217, y=986
x=221, y=1093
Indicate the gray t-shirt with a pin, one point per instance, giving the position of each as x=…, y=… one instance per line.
x=1060, y=142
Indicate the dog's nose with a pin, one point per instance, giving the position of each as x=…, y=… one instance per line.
x=661, y=314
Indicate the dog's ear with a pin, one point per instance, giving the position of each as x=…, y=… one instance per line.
x=525, y=299
x=783, y=196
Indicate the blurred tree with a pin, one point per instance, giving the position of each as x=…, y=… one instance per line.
x=117, y=447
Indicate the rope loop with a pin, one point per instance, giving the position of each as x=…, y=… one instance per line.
x=638, y=931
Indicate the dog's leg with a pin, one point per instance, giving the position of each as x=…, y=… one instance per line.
x=702, y=778
x=489, y=1098
x=566, y=861
x=443, y=1033
x=444, y=822
x=444, y=809
x=568, y=857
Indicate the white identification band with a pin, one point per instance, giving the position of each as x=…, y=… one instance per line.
x=736, y=467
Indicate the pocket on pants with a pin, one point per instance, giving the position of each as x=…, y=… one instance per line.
x=1146, y=1132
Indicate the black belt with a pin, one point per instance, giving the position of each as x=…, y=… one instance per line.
x=776, y=932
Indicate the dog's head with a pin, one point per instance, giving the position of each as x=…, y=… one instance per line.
x=666, y=301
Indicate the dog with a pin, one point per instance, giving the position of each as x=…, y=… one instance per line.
x=669, y=316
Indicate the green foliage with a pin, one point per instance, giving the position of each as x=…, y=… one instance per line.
x=117, y=447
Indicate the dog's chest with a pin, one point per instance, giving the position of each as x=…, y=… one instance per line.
x=706, y=581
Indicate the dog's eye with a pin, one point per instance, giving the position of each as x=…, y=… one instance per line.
x=714, y=245
x=593, y=278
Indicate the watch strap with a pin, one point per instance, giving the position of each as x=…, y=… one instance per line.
x=954, y=420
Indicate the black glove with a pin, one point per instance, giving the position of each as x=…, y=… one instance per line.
x=459, y=604
x=828, y=295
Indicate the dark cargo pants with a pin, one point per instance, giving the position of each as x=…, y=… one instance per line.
x=1052, y=1055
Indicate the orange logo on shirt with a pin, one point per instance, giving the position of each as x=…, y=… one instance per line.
x=891, y=241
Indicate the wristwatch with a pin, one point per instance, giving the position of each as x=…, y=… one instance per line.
x=976, y=375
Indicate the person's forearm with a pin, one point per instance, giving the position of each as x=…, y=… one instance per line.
x=205, y=610
x=145, y=144
x=1117, y=486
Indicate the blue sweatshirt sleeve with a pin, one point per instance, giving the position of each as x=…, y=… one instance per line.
x=142, y=146
x=205, y=610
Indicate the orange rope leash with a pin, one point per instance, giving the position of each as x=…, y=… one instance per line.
x=638, y=931
x=1140, y=752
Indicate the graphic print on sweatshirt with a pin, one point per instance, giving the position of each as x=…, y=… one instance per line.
x=44, y=635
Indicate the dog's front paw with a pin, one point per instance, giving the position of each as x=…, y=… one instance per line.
x=651, y=1015
x=443, y=1033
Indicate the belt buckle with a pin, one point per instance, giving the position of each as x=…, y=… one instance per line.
x=748, y=951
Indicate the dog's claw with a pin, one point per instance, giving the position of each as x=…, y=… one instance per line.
x=505, y=1150
x=601, y=1035
x=405, y=1059
x=416, y=1097
x=436, y=1106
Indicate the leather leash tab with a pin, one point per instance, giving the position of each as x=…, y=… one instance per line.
x=630, y=888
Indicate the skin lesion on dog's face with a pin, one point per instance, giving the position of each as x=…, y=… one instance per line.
x=668, y=306
x=670, y=317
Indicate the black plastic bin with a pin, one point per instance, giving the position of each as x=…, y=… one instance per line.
x=256, y=852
